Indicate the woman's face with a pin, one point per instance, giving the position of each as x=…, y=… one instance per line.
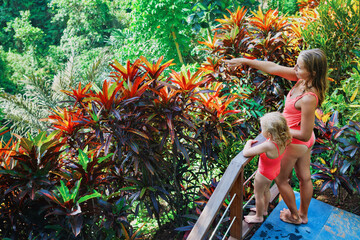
x=301, y=71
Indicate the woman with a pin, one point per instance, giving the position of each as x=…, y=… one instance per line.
x=308, y=93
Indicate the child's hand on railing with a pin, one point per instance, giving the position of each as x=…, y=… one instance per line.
x=250, y=142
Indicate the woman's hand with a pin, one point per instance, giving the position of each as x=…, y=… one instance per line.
x=235, y=62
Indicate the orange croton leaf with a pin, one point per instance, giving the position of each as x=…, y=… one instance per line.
x=136, y=88
x=187, y=82
x=130, y=72
x=155, y=70
x=235, y=19
x=6, y=153
x=108, y=97
x=216, y=105
x=268, y=22
x=210, y=43
x=212, y=64
x=165, y=95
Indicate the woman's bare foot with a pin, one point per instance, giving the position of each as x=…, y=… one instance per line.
x=285, y=215
x=253, y=219
x=254, y=210
x=304, y=219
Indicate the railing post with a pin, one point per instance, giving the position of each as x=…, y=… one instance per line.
x=236, y=208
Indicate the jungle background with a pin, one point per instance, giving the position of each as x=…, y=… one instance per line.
x=118, y=117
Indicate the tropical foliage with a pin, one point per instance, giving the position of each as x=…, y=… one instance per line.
x=336, y=28
x=140, y=136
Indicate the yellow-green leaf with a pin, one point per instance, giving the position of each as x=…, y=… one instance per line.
x=142, y=192
x=354, y=95
x=322, y=160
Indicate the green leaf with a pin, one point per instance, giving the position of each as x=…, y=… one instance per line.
x=354, y=95
x=64, y=191
x=76, y=190
x=83, y=159
x=26, y=144
x=87, y=197
x=142, y=192
x=46, y=145
x=202, y=7
x=38, y=140
x=127, y=188
x=101, y=159
x=52, y=135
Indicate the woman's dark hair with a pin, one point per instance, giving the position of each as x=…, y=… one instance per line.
x=316, y=63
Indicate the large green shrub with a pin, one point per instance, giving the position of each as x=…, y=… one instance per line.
x=284, y=6
x=346, y=97
x=337, y=33
x=5, y=83
x=160, y=27
x=26, y=35
x=88, y=23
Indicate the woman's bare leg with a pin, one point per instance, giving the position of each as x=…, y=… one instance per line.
x=302, y=168
x=288, y=162
x=261, y=184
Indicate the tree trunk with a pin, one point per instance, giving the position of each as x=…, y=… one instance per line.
x=177, y=48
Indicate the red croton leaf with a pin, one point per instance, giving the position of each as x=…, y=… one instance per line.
x=78, y=94
x=67, y=121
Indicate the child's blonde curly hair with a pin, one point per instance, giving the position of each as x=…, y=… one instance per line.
x=275, y=124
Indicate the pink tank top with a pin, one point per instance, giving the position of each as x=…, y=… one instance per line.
x=268, y=167
x=291, y=114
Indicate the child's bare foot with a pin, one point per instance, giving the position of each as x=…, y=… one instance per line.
x=254, y=210
x=253, y=219
x=285, y=215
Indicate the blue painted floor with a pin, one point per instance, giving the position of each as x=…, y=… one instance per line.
x=325, y=223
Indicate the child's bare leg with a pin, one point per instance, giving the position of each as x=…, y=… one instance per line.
x=267, y=198
x=266, y=202
x=260, y=186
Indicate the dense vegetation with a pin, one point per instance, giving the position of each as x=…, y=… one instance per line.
x=123, y=112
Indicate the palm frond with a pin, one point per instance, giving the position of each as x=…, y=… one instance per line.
x=39, y=90
x=95, y=72
x=24, y=113
x=64, y=79
x=41, y=95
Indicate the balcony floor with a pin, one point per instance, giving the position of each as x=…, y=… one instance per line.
x=325, y=223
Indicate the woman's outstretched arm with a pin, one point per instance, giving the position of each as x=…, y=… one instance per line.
x=265, y=66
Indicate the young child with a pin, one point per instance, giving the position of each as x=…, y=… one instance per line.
x=275, y=129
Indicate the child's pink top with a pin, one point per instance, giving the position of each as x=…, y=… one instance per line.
x=268, y=167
